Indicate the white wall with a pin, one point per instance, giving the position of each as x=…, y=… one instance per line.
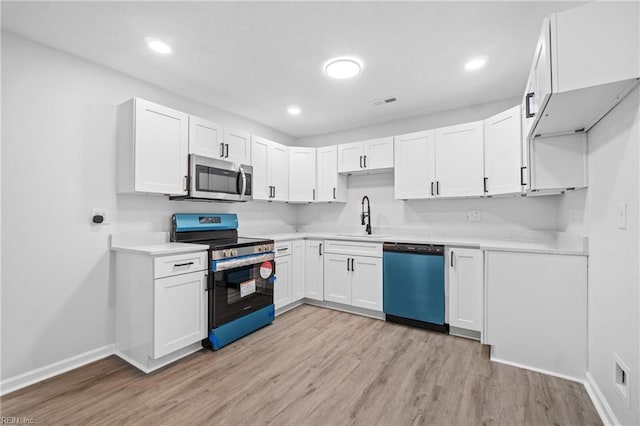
x=412, y=124
x=613, y=301
x=501, y=217
x=58, y=161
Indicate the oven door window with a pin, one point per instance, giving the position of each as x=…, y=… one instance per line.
x=211, y=179
x=240, y=291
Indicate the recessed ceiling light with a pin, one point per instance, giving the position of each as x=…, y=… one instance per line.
x=293, y=110
x=158, y=46
x=342, y=68
x=476, y=63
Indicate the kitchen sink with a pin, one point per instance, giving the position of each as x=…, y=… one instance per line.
x=363, y=235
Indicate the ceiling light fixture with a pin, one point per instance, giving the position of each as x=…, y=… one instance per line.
x=476, y=63
x=342, y=68
x=293, y=110
x=158, y=46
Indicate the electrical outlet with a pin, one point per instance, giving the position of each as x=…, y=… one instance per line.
x=621, y=378
x=473, y=216
x=99, y=216
x=323, y=216
x=621, y=215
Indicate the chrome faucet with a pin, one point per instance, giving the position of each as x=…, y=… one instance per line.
x=366, y=215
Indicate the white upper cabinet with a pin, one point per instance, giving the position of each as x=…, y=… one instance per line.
x=211, y=140
x=414, y=167
x=152, y=148
x=237, y=146
x=459, y=160
x=502, y=153
x=586, y=61
x=330, y=185
x=206, y=138
x=302, y=174
x=270, y=161
x=371, y=155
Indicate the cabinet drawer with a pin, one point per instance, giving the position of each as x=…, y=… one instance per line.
x=353, y=248
x=166, y=266
x=283, y=248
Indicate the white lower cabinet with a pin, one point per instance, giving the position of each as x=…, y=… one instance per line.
x=365, y=291
x=465, y=289
x=289, y=285
x=161, y=307
x=352, y=279
x=536, y=311
x=313, y=270
x=337, y=278
x=179, y=312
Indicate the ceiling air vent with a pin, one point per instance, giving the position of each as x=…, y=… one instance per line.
x=384, y=101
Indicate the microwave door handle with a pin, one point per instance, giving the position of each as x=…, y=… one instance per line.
x=244, y=182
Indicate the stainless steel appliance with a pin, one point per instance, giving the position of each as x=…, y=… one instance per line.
x=240, y=278
x=213, y=179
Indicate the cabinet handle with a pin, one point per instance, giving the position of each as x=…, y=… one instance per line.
x=352, y=268
x=485, y=185
x=432, y=194
x=365, y=161
x=314, y=193
x=437, y=187
x=522, y=169
x=527, y=105
x=221, y=150
x=361, y=161
x=348, y=264
x=283, y=249
x=226, y=147
x=186, y=183
x=274, y=191
x=177, y=265
x=334, y=193
x=320, y=249
x=452, y=256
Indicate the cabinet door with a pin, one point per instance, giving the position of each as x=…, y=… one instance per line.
x=179, y=312
x=337, y=278
x=414, y=168
x=350, y=156
x=259, y=161
x=366, y=283
x=161, y=149
x=542, y=70
x=237, y=146
x=302, y=174
x=465, y=288
x=314, y=270
x=330, y=185
x=378, y=153
x=282, y=285
x=205, y=138
x=279, y=171
x=502, y=158
x=459, y=160
x=297, y=270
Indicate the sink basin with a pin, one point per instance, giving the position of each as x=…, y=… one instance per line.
x=352, y=235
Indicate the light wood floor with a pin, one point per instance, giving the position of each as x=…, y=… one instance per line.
x=313, y=366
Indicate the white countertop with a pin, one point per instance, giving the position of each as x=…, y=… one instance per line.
x=161, y=249
x=545, y=247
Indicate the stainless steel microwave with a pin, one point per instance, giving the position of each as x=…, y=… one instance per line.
x=213, y=179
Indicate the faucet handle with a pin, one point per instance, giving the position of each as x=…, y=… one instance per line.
x=361, y=218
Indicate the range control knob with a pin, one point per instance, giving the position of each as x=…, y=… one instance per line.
x=234, y=252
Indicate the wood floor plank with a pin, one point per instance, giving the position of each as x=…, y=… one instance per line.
x=313, y=366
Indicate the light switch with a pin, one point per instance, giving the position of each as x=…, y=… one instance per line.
x=621, y=215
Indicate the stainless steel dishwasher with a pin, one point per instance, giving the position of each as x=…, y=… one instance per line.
x=413, y=285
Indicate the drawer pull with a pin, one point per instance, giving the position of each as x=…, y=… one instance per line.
x=177, y=265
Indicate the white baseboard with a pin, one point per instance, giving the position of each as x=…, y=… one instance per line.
x=39, y=374
x=605, y=411
x=537, y=370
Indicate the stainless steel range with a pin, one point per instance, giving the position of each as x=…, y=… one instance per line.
x=240, y=278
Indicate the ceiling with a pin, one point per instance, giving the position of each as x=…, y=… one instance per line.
x=256, y=58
